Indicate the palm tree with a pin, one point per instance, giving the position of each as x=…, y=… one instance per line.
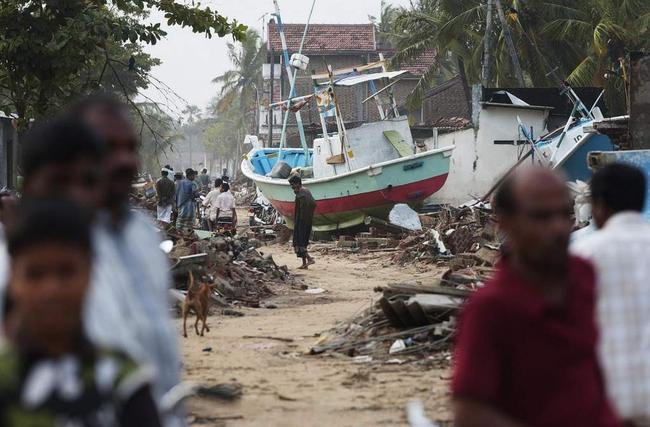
x=243, y=82
x=384, y=24
x=607, y=30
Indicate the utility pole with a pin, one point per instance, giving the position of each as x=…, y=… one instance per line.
x=486, y=72
x=511, y=46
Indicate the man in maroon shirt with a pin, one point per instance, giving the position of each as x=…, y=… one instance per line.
x=525, y=351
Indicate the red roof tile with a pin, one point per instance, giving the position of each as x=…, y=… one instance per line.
x=417, y=66
x=326, y=38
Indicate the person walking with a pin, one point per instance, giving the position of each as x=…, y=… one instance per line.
x=186, y=194
x=525, y=350
x=204, y=180
x=618, y=250
x=166, y=191
x=305, y=205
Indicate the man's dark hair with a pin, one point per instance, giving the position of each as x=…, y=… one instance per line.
x=204, y=170
x=164, y=173
x=225, y=187
x=59, y=142
x=189, y=172
x=49, y=221
x=620, y=187
x=504, y=200
x=217, y=183
x=101, y=101
x=295, y=179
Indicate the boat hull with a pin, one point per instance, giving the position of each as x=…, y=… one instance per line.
x=345, y=200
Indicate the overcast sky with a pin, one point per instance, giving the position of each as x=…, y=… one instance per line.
x=190, y=61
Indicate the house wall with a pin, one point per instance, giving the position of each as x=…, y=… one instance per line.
x=477, y=161
x=350, y=98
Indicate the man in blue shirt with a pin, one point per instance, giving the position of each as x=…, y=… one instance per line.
x=186, y=194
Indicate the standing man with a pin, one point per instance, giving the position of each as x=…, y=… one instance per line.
x=128, y=304
x=619, y=252
x=166, y=191
x=210, y=202
x=204, y=180
x=303, y=216
x=186, y=194
x=526, y=345
x=225, y=207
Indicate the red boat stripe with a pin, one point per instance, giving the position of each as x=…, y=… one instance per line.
x=407, y=193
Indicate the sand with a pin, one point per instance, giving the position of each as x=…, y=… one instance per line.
x=282, y=385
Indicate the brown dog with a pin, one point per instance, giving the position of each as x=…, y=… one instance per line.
x=197, y=299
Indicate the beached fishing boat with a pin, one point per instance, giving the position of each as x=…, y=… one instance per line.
x=352, y=173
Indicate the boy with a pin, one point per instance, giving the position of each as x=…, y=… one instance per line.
x=50, y=374
x=303, y=217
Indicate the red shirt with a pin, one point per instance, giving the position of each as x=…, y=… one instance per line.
x=534, y=363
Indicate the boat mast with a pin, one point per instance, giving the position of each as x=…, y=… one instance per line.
x=292, y=76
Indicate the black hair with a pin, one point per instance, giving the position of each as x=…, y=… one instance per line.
x=49, y=221
x=188, y=172
x=204, y=170
x=164, y=173
x=504, y=200
x=59, y=142
x=225, y=187
x=620, y=187
x=217, y=183
x=295, y=179
x=101, y=101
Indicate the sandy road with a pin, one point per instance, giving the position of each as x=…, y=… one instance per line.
x=285, y=387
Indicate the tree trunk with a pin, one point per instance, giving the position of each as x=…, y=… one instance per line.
x=511, y=46
x=486, y=72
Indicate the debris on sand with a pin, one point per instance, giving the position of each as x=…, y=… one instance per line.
x=240, y=272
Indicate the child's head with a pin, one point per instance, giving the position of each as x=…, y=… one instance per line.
x=50, y=248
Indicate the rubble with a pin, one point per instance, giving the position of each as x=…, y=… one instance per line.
x=241, y=274
x=412, y=321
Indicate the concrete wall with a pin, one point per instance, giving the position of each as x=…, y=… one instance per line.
x=478, y=162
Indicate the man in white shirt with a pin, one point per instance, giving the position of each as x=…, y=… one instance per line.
x=619, y=251
x=225, y=206
x=210, y=202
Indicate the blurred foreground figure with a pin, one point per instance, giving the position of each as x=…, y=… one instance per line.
x=526, y=347
x=128, y=306
x=619, y=251
x=50, y=374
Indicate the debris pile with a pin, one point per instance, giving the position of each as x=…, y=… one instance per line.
x=242, y=275
x=410, y=321
x=466, y=232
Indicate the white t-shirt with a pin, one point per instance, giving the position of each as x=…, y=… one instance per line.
x=225, y=203
x=210, y=202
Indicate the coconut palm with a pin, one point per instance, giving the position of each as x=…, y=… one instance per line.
x=243, y=82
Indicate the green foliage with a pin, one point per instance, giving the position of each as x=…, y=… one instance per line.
x=51, y=51
x=156, y=136
x=236, y=107
x=577, y=38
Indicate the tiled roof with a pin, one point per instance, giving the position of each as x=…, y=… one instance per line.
x=326, y=38
x=416, y=66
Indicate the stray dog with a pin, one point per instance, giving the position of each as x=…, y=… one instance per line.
x=197, y=299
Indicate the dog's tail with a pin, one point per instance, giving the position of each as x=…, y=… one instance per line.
x=190, y=284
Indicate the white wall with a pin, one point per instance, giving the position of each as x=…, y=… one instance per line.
x=477, y=162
